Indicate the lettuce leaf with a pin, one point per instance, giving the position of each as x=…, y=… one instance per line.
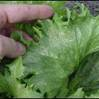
x=10, y=82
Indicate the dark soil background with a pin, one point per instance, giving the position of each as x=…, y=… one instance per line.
x=92, y=5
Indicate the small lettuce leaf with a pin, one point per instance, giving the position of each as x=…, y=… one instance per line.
x=18, y=36
x=78, y=94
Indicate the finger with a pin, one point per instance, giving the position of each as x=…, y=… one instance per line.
x=19, y=13
x=27, y=37
x=10, y=48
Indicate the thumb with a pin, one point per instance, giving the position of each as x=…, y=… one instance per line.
x=10, y=48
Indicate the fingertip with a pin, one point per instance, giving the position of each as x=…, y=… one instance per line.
x=10, y=48
x=50, y=11
x=46, y=12
x=20, y=49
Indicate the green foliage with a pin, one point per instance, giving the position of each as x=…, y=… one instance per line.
x=63, y=63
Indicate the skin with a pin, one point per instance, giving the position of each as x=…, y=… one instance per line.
x=11, y=14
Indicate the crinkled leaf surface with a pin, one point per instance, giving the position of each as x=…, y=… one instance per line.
x=61, y=49
x=87, y=75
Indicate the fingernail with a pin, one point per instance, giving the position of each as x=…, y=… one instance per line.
x=49, y=11
x=20, y=48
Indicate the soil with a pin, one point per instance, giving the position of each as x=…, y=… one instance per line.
x=92, y=5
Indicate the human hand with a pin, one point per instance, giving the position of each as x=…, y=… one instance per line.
x=11, y=14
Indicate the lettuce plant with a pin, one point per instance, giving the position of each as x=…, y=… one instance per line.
x=63, y=63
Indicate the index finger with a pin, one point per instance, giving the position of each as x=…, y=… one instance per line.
x=19, y=13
